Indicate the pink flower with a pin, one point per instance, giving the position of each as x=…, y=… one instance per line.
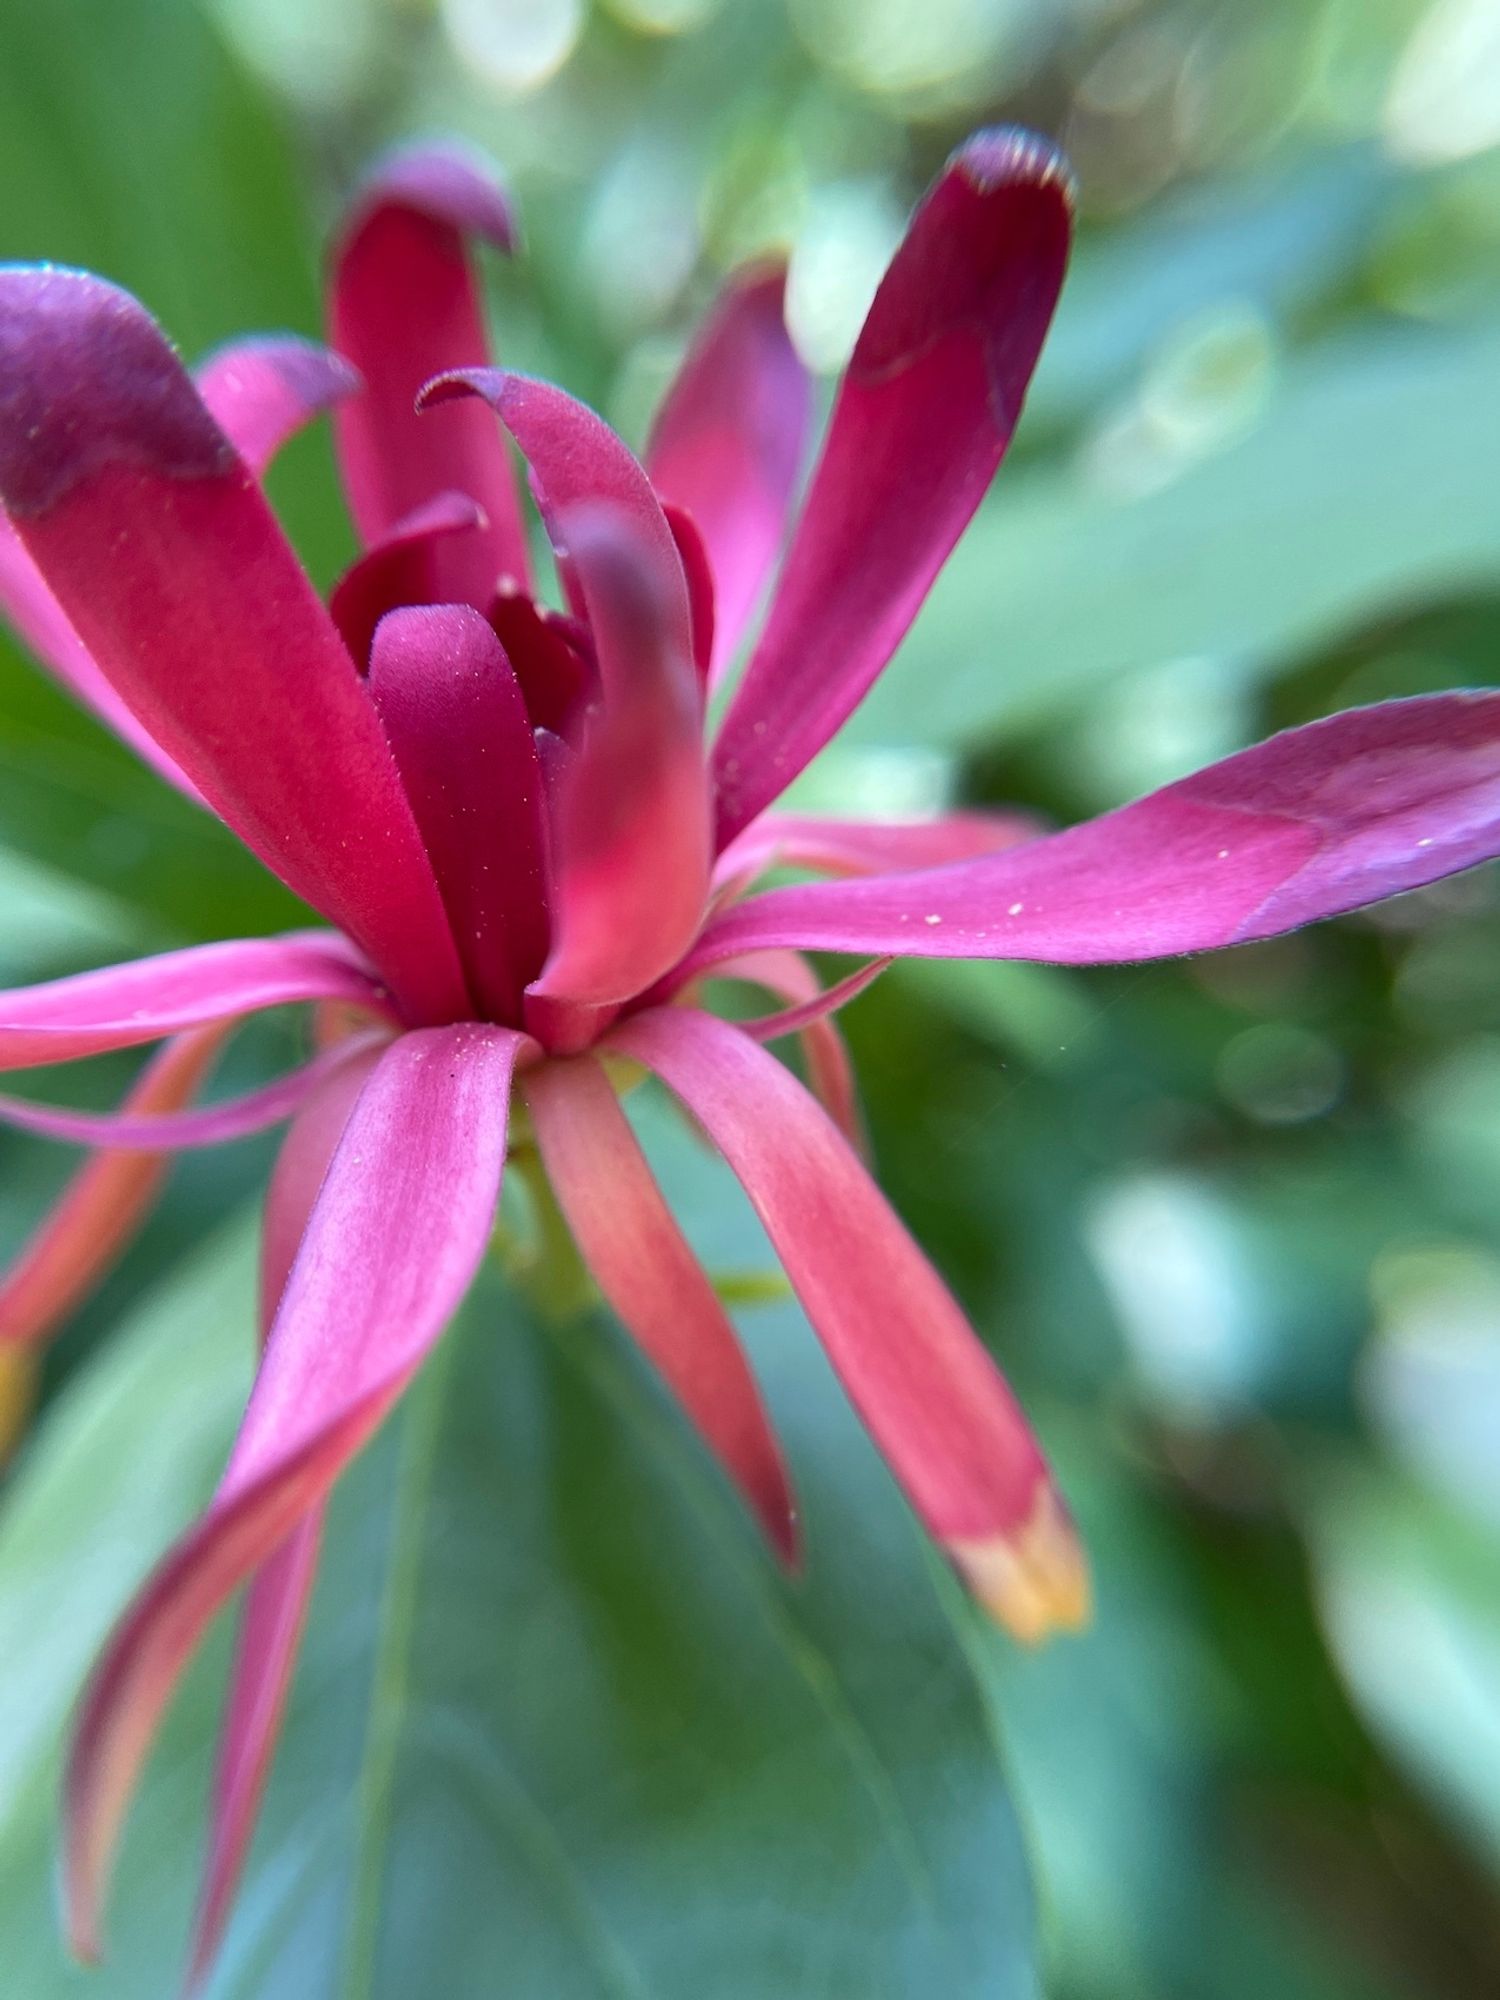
x=530, y=858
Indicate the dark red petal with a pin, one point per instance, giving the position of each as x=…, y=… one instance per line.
x=647, y=1272
x=262, y=391
x=396, y=1234
x=728, y=441
x=405, y=307
x=922, y=420
x=458, y=724
x=404, y=567
x=556, y=677
x=1314, y=822
x=929, y=1394
x=163, y=555
x=698, y=573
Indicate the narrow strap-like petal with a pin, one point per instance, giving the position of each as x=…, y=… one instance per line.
x=830, y=1074
x=631, y=843
x=276, y=1600
x=813, y=1008
x=848, y=847
x=1309, y=824
x=728, y=441
x=698, y=575
x=262, y=391
x=926, y=1389
x=395, y=1236
x=171, y=1131
x=923, y=418
x=103, y=1205
x=457, y=722
x=647, y=1271
x=403, y=567
x=161, y=551
x=405, y=307
x=152, y=998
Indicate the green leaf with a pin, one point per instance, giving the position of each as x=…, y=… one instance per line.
x=1364, y=488
x=559, y=1721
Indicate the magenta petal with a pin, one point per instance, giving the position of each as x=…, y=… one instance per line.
x=276, y=1601
x=405, y=307
x=865, y=846
x=698, y=575
x=830, y=1074
x=262, y=391
x=103, y=1205
x=403, y=567
x=395, y=1236
x=453, y=710
x=154, y=997
x=728, y=441
x=921, y=423
x=155, y=1131
x=163, y=554
x=631, y=826
x=1313, y=822
x=814, y=1007
x=927, y=1391
x=648, y=1273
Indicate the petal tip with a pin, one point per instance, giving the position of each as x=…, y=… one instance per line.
x=88, y=379
x=1035, y=1580
x=1008, y=156
x=454, y=185
x=455, y=383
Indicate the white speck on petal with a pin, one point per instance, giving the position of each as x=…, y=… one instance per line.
x=1425, y=843
x=1223, y=853
x=932, y=920
x=1015, y=909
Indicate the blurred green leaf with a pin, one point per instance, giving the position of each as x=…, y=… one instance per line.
x=1365, y=488
x=558, y=1711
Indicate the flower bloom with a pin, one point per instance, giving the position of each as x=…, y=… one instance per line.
x=532, y=860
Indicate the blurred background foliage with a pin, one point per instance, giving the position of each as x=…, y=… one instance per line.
x=1232, y=1225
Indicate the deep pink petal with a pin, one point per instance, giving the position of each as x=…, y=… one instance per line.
x=153, y=1131
x=551, y=661
x=28, y=605
x=163, y=554
x=151, y=998
x=262, y=391
x=1313, y=822
x=728, y=442
x=647, y=1272
x=631, y=829
x=103, y=1205
x=396, y=1233
x=699, y=577
x=454, y=712
x=405, y=307
x=927, y=1391
x=830, y=1074
x=403, y=567
x=813, y=1007
x=865, y=846
x=922, y=420
x=576, y=462
x=276, y=1600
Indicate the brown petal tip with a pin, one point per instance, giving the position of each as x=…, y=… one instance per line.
x=1035, y=1581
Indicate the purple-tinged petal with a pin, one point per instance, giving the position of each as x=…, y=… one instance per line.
x=403, y=567
x=262, y=391
x=631, y=831
x=830, y=1074
x=454, y=712
x=396, y=1233
x=28, y=605
x=927, y=1391
x=923, y=418
x=103, y=1205
x=848, y=847
x=576, y=462
x=728, y=442
x=152, y=998
x=648, y=1273
x=276, y=1600
x=1309, y=824
x=160, y=549
x=155, y=1131
x=405, y=307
